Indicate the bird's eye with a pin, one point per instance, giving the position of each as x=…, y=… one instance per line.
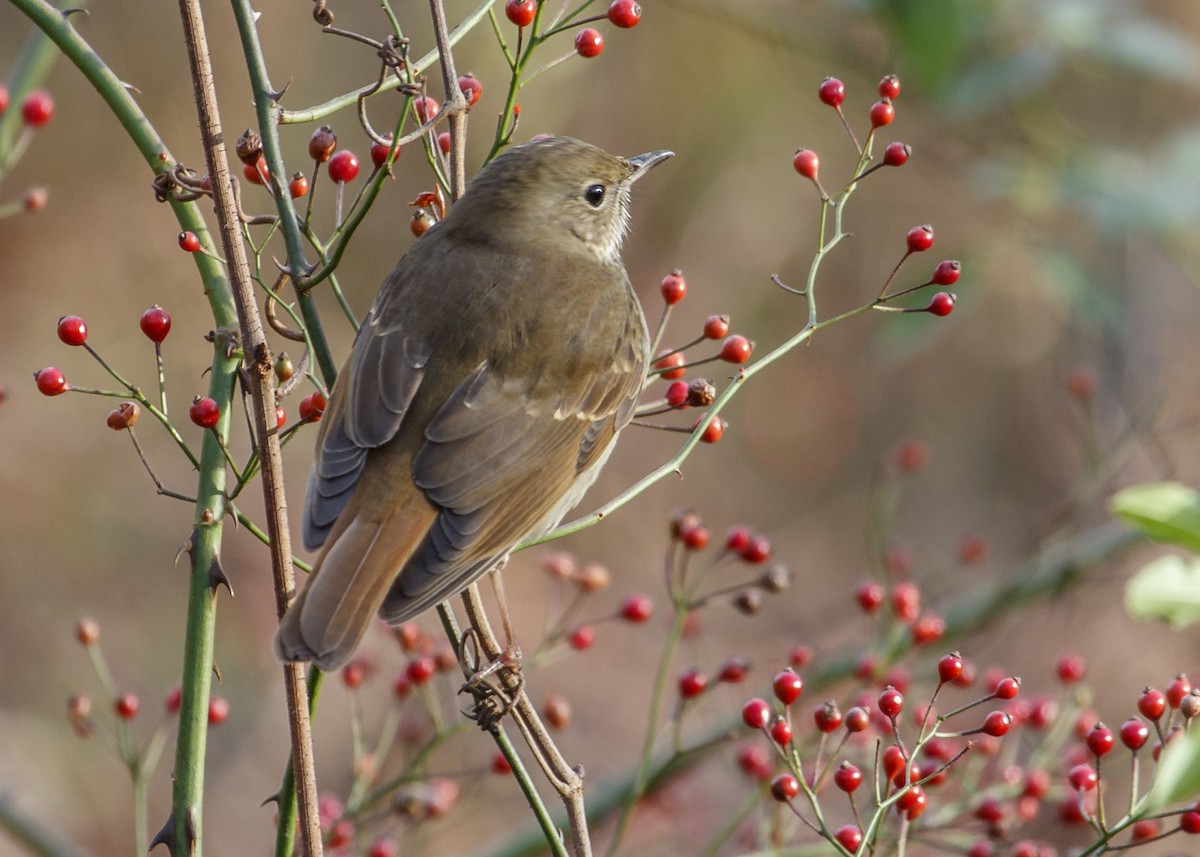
x=594, y=195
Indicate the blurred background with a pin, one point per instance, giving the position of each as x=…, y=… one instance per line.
x=1055, y=152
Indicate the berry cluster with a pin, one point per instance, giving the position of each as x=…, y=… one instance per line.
x=37, y=109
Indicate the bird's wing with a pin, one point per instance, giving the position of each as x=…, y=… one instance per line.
x=504, y=461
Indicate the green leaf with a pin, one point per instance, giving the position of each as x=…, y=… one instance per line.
x=1178, y=776
x=1168, y=588
x=1164, y=511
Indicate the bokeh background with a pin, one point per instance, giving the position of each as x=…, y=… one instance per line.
x=1056, y=152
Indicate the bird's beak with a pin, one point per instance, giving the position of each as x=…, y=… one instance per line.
x=642, y=163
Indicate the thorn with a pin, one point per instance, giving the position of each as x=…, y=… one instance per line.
x=188, y=545
x=277, y=94
x=273, y=798
x=217, y=577
x=216, y=670
x=165, y=835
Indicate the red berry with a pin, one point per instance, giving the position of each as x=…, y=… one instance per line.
x=582, y=638
x=343, y=166
x=889, y=87
x=385, y=847
x=949, y=667
x=800, y=655
x=713, y=432
x=37, y=109
x=832, y=92
x=1177, y=690
x=420, y=669
x=280, y=417
x=891, y=701
x=87, y=631
x=692, y=683
x=849, y=837
x=694, y=536
x=35, y=199
x=806, y=163
x=521, y=12
x=912, y=455
x=756, y=713
x=471, y=89
x=716, y=326
x=1070, y=668
x=673, y=287
x=50, y=381
x=946, y=273
x=827, y=717
x=677, y=394
x=1145, y=829
x=426, y=107
x=757, y=550
x=736, y=539
x=912, y=803
x=941, y=304
x=928, y=629
x=379, y=153
x=321, y=144
x=500, y=764
x=919, y=238
x=218, y=710
x=733, y=670
x=906, y=601
x=637, y=608
x=624, y=13
x=787, y=686
x=869, y=596
x=311, y=408
x=72, y=330
x=257, y=173
x=781, y=731
x=1134, y=733
x=882, y=113
x=354, y=673
x=173, y=700
x=784, y=787
x=443, y=141
x=896, y=154
x=754, y=760
x=1152, y=703
x=1082, y=778
x=1007, y=688
x=155, y=323
x=589, y=43
x=997, y=724
x=1100, y=739
x=990, y=810
x=671, y=363
x=188, y=242
x=298, y=186
x=3, y=98
x=736, y=349
x=857, y=719
x=204, y=412
x=847, y=777
x=1189, y=822
x=127, y=706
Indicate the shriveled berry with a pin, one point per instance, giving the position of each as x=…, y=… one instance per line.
x=557, y=711
x=673, y=287
x=471, y=89
x=736, y=349
x=784, y=787
x=50, y=381
x=941, y=304
x=188, y=242
x=919, y=238
x=322, y=143
x=756, y=713
x=298, y=186
x=849, y=836
x=343, y=166
x=155, y=324
x=806, y=163
x=881, y=113
x=521, y=12
x=624, y=13
x=72, y=330
x=123, y=416
x=896, y=154
x=832, y=92
x=204, y=412
x=889, y=87
x=37, y=109
x=589, y=43
x=787, y=686
x=692, y=683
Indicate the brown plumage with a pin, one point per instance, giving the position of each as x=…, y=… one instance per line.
x=481, y=397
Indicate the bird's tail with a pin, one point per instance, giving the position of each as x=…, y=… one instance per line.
x=329, y=618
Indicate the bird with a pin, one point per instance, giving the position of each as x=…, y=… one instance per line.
x=483, y=393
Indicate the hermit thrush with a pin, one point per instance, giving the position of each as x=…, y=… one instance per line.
x=482, y=395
